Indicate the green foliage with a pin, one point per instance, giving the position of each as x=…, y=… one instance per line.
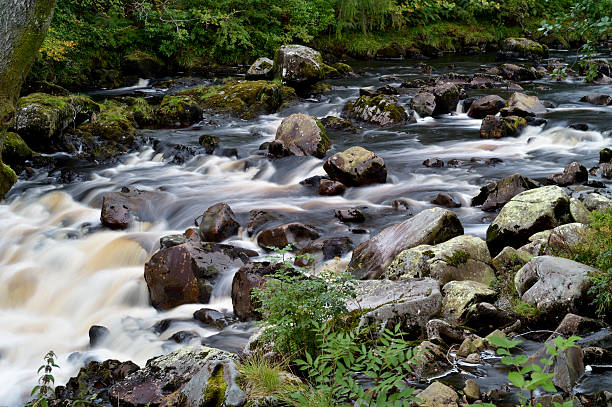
x=458, y=258
x=262, y=377
x=528, y=376
x=43, y=390
x=295, y=304
x=344, y=357
x=584, y=20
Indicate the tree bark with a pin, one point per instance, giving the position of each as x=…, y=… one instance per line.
x=23, y=27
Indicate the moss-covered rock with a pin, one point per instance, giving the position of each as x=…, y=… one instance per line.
x=447, y=96
x=458, y=296
x=8, y=178
x=298, y=65
x=343, y=68
x=15, y=151
x=301, y=135
x=515, y=48
x=262, y=68
x=40, y=118
x=142, y=64
x=244, y=99
x=356, y=166
x=497, y=127
x=381, y=110
x=178, y=111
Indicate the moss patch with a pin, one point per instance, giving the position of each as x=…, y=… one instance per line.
x=8, y=178
x=15, y=151
x=214, y=393
x=459, y=257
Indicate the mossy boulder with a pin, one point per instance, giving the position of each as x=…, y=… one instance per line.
x=458, y=296
x=244, y=99
x=337, y=123
x=262, y=68
x=460, y=258
x=355, y=167
x=298, y=65
x=522, y=48
x=300, y=135
x=343, y=69
x=519, y=73
x=520, y=104
x=142, y=64
x=41, y=118
x=381, y=110
x=15, y=151
x=8, y=178
x=527, y=213
x=447, y=96
x=497, y=127
x=178, y=111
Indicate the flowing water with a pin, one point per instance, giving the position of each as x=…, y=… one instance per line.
x=61, y=272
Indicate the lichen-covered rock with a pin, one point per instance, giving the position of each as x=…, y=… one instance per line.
x=486, y=105
x=460, y=258
x=424, y=103
x=178, y=111
x=15, y=151
x=218, y=223
x=438, y=395
x=186, y=274
x=8, y=178
x=563, y=237
x=527, y=213
x=447, y=96
x=381, y=110
x=510, y=260
x=596, y=202
x=432, y=226
x=573, y=173
x=262, y=68
x=192, y=376
x=142, y=64
x=118, y=208
x=495, y=195
x=497, y=127
x=355, y=167
x=298, y=65
x=337, y=123
x=297, y=234
x=579, y=211
x=385, y=303
x=40, y=118
x=458, y=296
x=520, y=104
x=522, y=48
x=556, y=286
x=597, y=99
x=300, y=135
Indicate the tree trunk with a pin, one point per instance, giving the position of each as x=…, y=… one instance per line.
x=23, y=27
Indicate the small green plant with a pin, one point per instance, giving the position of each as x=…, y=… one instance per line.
x=458, y=258
x=43, y=390
x=526, y=376
x=262, y=377
x=344, y=357
x=559, y=74
x=295, y=303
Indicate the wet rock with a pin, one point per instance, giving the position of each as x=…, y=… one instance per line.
x=249, y=276
x=387, y=90
x=41, y=118
x=262, y=68
x=337, y=123
x=424, y=103
x=433, y=362
x=576, y=325
x=496, y=194
x=410, y=303
x=119, y=207
x=324, y=249
x=597, y=99
x=178, y=111
x=257, y=219
x=463, y=257
x=579, y=211
x=447, y=96
x=579, y=126
x=471, y=390
x=349, y=215
x=555, y=285
x=605, y=155
x=355, y=167
x=380, y=110
x=15, y=151
x=185, y=337
x=142, y=64
x=439, y=331
x=519, y=104
x=573, y=173
x=329, y=187
x=497, y=127
x=522, y=48
x=298, y=65
x=210, y=143
x=527, y=213
x=518, y=73
x=97, y=334
x=186, y=273
x=471, y=345
x=433, y=163
x=603, y=170
x=218, y=223
x=297, y=234
x=460, y=295
x=596, y=356
x=301, y=135
x=454, y=163
x=484, y=318
x=446, y=200
x=596, y=202
x=211, y=317
x=193, y=375
x=486, y=105
x=369, y=92
x=438, y=395
x=371, y=258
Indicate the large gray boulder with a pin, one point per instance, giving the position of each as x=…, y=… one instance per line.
x=486, y=105
x=192, y=376
x=300, y=135
x=355, y=167
x=410, y=302
x=380, y=110
x=460, y=258
x=527, y=213
x=563, y=237
x=298, y=65
x=596, y=202
x=432, y=226
x=496, y=194
x=522, y=48
x=520, y=104
x=555, y=285
x=424, y=103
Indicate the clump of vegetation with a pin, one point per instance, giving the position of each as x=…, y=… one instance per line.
x=44, y=390
x=458, y=258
